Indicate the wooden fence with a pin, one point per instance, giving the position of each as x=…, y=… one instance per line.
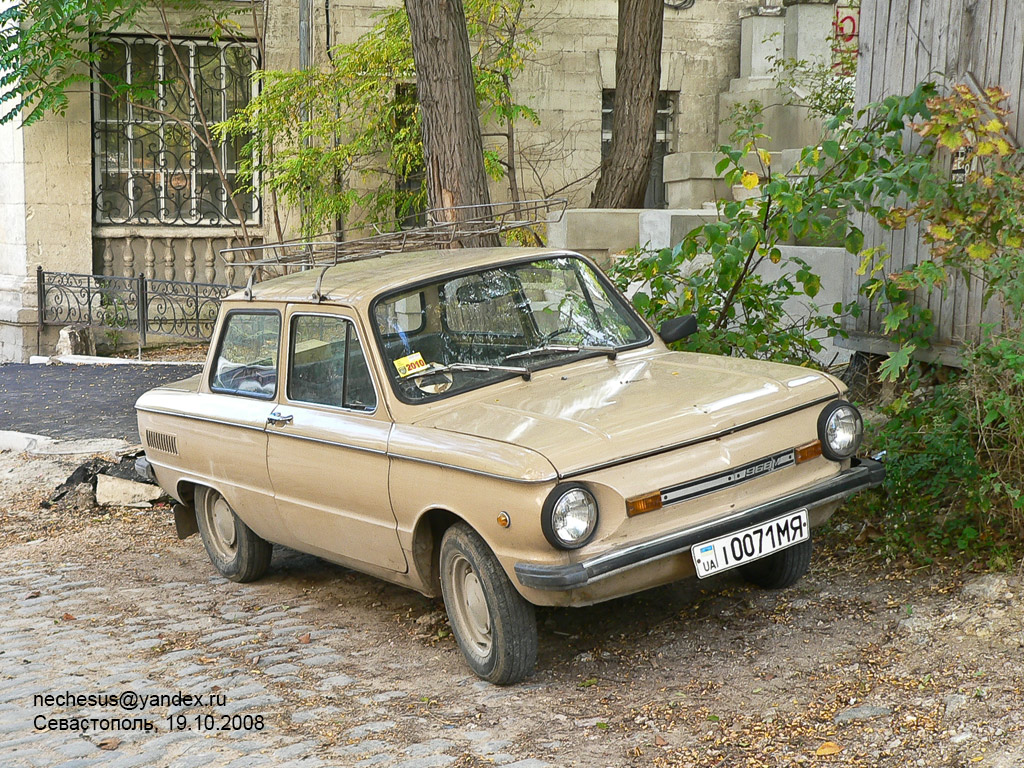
x=903, y=42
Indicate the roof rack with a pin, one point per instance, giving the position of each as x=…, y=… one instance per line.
x=445, y=228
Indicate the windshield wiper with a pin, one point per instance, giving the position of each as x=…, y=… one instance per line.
x=551, y=349
x=480, y=367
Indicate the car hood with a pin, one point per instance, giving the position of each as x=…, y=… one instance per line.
x=595, y=412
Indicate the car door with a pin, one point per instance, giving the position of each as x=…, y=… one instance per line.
x=226, y=434
x=327, y=445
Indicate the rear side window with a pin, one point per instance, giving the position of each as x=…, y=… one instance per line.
x=246, y=362
x=327, y=365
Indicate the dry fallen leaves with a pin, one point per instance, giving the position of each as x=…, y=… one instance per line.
x=304, y=639
x=828, y=748
x=109, y=743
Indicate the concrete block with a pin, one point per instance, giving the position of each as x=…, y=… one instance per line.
x=829, y=265
x=761, y=38
x=808, y=27
x=664, y=228
x=599, y=232
x=114, y=491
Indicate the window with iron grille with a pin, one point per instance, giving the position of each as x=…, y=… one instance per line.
x=150, y=162
x=655, y=195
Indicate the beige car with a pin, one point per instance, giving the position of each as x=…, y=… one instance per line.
x=497, y=426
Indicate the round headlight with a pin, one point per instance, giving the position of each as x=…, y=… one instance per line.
x=840, y=429
x=569, y=517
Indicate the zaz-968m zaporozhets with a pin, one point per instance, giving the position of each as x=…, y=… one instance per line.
x=497, y=426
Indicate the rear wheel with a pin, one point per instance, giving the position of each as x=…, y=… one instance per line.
x=494, y=626
x=781, y=570
x=235, y=551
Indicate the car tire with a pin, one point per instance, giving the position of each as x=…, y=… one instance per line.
x=495, y=628
x=781, y=570
x=235, y=551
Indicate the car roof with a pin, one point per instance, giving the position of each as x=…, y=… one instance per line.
x=358, y=282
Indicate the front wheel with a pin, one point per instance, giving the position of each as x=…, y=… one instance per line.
x=235, y=551
x=782, y=569
x=496, y=629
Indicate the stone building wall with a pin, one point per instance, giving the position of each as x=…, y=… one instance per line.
x=46, y=177
x=576, y=62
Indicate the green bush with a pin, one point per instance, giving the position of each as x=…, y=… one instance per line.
x=955, y=463
x=713, y=272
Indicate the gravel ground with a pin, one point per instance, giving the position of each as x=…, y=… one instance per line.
x=863, y=663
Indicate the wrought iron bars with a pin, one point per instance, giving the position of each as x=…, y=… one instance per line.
x=131, y=304
x=149, y=165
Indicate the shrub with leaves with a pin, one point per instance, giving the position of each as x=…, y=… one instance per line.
x=713, y=272
x=955, y=462
x=972, y=217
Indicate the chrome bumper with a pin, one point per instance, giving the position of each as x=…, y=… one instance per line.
x=864, y=473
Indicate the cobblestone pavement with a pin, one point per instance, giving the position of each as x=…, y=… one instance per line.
x=283, y=692
x=862, y=664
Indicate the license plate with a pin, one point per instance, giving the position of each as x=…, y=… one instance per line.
x=757, y=541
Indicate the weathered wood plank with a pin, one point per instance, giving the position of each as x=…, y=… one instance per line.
x=944, y=303
x=1011, y=75
x=974, y=47
x=874, y=26
x=902, y=43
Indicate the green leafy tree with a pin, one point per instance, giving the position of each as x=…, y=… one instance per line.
x=973, y=221
x=357, y=117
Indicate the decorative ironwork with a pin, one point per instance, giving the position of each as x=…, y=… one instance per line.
x=131, y=304
x=149, y=165
x=70, y=299
x=188, y=310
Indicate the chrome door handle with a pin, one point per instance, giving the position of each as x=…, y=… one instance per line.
x=277, y=419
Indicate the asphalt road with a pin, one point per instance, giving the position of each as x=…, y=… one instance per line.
x=79, y=402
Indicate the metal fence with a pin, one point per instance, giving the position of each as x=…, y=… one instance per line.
x=130, y=304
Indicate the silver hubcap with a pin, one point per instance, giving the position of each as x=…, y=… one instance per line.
x=220, y=522
x=470, y=606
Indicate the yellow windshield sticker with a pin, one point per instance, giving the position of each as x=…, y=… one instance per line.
x=410, y=364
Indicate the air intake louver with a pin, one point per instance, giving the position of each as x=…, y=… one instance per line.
x=162, y=442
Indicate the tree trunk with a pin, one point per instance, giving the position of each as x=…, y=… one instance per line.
x=452, y=144
x=626, y=170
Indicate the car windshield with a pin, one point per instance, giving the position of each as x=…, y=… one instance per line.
x=468, y=330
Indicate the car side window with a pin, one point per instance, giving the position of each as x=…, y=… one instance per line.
x=327, y=365
x=246, y=362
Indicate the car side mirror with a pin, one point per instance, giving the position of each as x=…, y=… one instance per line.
x=677, y=328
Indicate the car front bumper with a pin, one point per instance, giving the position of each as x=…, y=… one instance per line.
x=863, y=473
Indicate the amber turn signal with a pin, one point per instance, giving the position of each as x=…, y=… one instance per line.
x=808, y=451
x=640, y=504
